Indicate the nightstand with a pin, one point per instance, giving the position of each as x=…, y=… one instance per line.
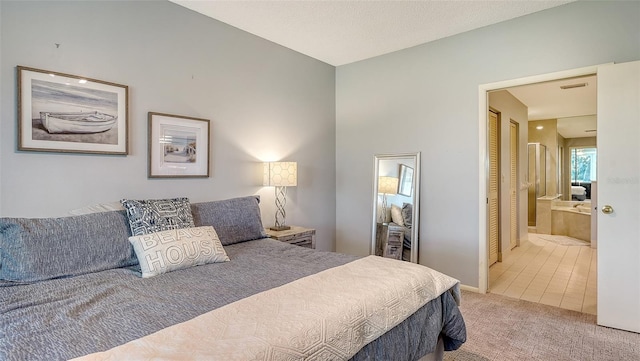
x=389, y=241
x=299, y=236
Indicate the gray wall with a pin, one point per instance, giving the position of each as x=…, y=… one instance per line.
x=426, y=99
x=1, y=107
x=265, y=102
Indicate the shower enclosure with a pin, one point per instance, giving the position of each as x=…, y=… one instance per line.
x=537, y=177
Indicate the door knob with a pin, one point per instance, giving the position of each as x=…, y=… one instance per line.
x=607, y=209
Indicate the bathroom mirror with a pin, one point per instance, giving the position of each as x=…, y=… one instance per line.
x=396, y=194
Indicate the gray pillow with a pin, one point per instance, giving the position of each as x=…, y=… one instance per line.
x=235, y=220
x=155, y=215
x=407, y=214
x=45, y=248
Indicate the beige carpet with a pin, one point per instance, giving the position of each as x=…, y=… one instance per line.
x=502, y=328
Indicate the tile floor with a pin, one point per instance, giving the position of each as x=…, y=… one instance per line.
x=549, y=273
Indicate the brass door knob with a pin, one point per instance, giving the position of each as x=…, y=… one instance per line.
x=607, y=209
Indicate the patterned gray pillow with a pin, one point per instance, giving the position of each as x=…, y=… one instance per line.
x=155, y=215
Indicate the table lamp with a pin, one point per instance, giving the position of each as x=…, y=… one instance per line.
x=280, y=175
x=386, y=185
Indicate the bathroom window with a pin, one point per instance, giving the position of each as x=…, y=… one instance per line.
x=583, y=165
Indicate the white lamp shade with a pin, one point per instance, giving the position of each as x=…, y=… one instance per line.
x=280, y=174
x=388, y=185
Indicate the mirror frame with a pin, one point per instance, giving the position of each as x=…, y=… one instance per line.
x=415, y=218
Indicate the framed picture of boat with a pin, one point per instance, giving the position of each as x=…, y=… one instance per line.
x=60, y=112
x=178, y=146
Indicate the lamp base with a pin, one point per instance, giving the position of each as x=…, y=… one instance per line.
x=279, y=228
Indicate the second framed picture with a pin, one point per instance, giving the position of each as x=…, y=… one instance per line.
x=406, y=180
x=178, y=146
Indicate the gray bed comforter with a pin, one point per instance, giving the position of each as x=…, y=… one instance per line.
x=69, y=317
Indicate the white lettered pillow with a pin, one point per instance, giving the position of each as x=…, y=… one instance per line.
x=175, y=249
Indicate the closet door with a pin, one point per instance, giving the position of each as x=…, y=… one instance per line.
x=493, y=211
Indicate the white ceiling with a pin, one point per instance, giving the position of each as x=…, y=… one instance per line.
x=342, y=32
x=578, y=127
x=575, y=108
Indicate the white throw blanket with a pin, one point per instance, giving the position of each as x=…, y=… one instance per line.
x=330, y=315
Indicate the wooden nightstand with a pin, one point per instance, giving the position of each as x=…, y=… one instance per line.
x=388, y=241
x=299, y=236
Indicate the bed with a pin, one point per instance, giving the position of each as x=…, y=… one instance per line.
x=71, y=287
x=578, y=193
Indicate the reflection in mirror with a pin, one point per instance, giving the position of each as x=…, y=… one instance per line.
x=583, y=172
x=395, y=206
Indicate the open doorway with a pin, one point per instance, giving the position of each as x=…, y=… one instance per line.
x=617, y=221
x=555, y=262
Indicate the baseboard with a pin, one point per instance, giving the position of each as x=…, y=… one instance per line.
x=469, y=288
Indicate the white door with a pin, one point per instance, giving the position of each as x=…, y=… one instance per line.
x=619, y=188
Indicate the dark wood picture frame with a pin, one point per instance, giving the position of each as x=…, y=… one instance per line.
x=405, y=185
x=60, y=112
x=178, y=146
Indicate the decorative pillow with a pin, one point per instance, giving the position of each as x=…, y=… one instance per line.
x=44, y=248
x=407, y=214
x=396, y=215
x=176, y=249
x=235, y=220
x=155, y=215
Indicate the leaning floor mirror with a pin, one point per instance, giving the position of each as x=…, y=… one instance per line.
x=396, y=195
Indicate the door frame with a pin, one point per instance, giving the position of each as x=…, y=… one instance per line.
x=515, y=152
x=483, y=156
